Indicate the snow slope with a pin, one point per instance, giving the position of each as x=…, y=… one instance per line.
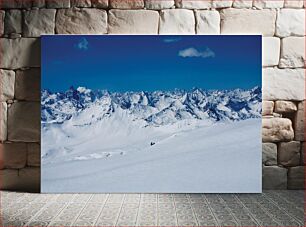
x=179, y=141
x=224, y=157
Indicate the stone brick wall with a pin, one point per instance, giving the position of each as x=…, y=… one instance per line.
x=281, y=22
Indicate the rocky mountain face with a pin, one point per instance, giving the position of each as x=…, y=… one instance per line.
x=155, y=108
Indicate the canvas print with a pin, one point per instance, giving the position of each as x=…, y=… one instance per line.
x=173, y=114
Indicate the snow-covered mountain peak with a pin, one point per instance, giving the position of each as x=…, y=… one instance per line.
x=155, y=108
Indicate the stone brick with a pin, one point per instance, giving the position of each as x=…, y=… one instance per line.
x=208, y=22
x=19, y=53
x=24, y=122
x=30, y=179
x=267, y=116
x=39, y=22
x=242, y=4
x=2, y=15
x=13, y=21
x=99, y=3
x=289, y=153
x=159, y=4
x=277, y=115
x=296, y=178
x=262, y=4
x=285, y=107
x=299, y=122
x=269, y=154
x=277, y=129
x=271, y=51
x=192, y=4
x=26, y=179
x=33, y=154
x=133, y=21
x=293, y=4
x=39, y=3
x=80, y=3
x=293, y=52
x=126, y=4
x=56, y=4
x=15, y=4
x=248, y=21
x=221, y=3
x=303, y=160
x=274, y=177
x=27, y=86
x=13, y=36
x=3, y=121
x=81, y=21
x=290, y=22
x=9, y=179
x=283, y=84
x=177, y=21
x=267, y=107
x=7, y=84
x=13, y=155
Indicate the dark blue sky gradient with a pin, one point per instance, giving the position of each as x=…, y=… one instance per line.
x=134, y=63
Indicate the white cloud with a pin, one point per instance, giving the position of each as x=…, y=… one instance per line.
x=83, y=44
x=172, y=40
x=192, y=52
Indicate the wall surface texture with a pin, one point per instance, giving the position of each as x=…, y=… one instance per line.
x=281, y=22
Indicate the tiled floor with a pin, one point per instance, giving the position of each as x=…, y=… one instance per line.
x=271, y=208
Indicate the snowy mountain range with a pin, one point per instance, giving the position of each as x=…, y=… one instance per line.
x=152, y=108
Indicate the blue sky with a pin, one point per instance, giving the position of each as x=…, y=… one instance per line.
x=148, y=63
